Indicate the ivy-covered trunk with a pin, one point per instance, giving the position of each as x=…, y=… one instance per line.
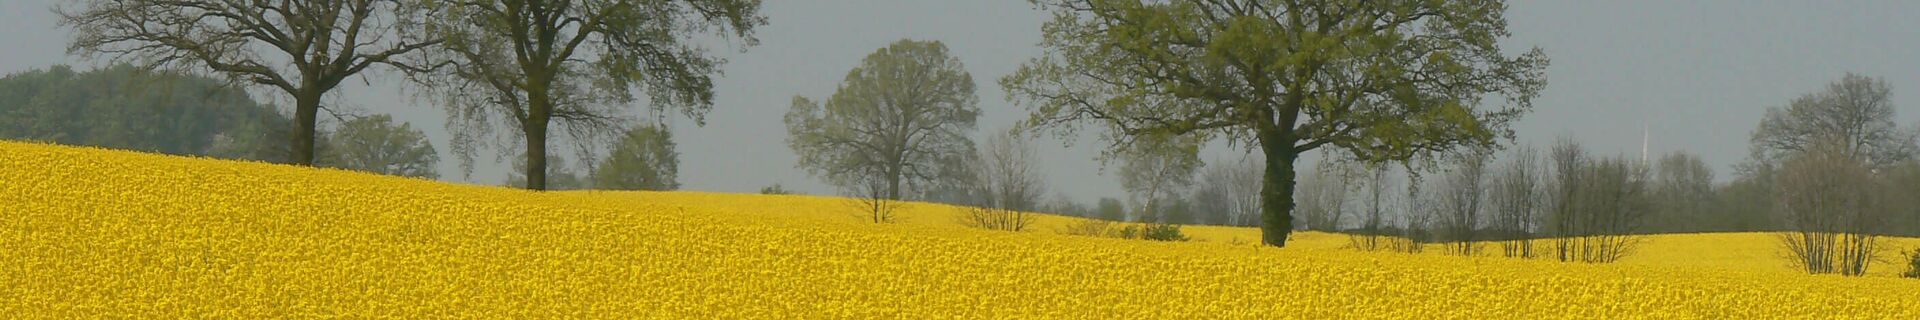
x=1276, y=189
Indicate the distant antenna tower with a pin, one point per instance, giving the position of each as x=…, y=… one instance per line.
x=1645, y=132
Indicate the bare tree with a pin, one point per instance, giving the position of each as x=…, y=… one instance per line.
x=1856, y=113
x=1010, y=179
x=1598, y=204
x=1462, y=193
x=1322, y=196
x=1618, y=207
x=871, y=201
x=1569, y=162
x=1683, y=186
x=1419, y=213
x=1835, y=207
x=1517, y=195
x=1228, y=191
x=1157, y=169
x=1376, y=202
x=303, y=49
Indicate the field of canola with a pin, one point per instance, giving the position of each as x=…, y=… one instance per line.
x=92, y=232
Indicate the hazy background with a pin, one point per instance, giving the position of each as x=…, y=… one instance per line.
x=1696, y=75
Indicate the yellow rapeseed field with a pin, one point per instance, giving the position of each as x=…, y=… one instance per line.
x=95, y=233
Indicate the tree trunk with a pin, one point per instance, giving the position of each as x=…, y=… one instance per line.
x=535, y=129
x=306, y=112
x=893, y=181
x=1276, y=191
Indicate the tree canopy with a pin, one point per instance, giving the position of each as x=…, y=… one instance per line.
x=643, y=159
x=127, y=107
x=1855, y=112
x=894, y=122
x=302, y=49
x=375, y=144
x=526, y=64
x=1380, y=80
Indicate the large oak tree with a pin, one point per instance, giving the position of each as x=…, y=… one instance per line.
x=1381, y=80
x=529, y=63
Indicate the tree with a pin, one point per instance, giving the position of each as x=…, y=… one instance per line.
x=1382, y=80
x=560, y=176
x=1009, y=177
x=1420, y=211
x=1111, y=209
x=303, y=49
x=1835, y=208
x=896, y=118
x=1517, y=195
x=1461, y=195
x=1228, y=192
x=374, y=144
x=644, y=159
x=1905, y=177
x=1158, y=170
x=1856, y=113
x=1322, y=196
x=1598, y=204
x=776, y=189
x=1376, y=200
x=528, y=64
x=1569, y=162
x=1063, y=205
x=1683, y=189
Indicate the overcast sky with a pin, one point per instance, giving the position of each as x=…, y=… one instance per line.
x=1697, y=75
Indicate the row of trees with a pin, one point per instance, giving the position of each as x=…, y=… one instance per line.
x=530, y=65
x=126, y=107
x=1830, y=173
x=1400, y=79
x=1589, y=207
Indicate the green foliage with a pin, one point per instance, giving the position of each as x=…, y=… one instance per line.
x=1157, y=169
x=1110, y=209
x=1913, y=264
x=644, y=159
x=776, y=189
x=1408, y=79
x=895, y=122
x=529, y=65
x=560, y=176
x=303, y=51
x=1153, y=231
x=125, y=107
x=375, y=144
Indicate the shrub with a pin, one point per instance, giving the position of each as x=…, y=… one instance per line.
x=1913, y=264
x=775, y=189
x=1089, y=227
x=1104, y=228
x=1162, y=232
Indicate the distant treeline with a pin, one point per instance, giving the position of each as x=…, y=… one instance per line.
x=124, y=107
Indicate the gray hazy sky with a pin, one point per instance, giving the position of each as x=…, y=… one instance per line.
x=1697, y=75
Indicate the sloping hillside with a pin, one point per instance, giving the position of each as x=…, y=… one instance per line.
x=91, y=232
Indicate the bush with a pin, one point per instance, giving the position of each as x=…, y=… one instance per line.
x=1155, y=232
x=1104, y=228
x=775, y=189
x=1163, y=232
x=1913, y=264
x=1090, y=228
